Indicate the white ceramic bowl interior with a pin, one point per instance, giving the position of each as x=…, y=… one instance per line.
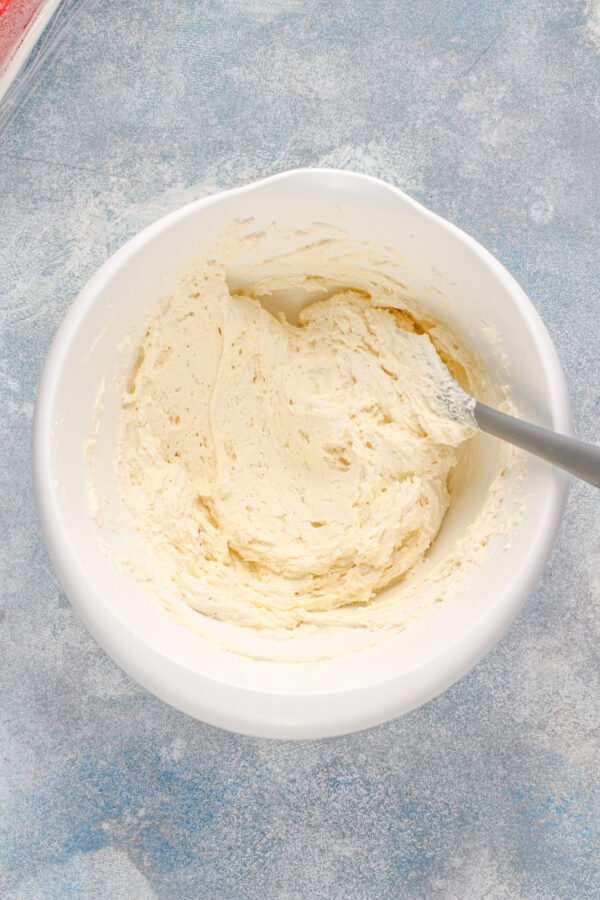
x=284, y=699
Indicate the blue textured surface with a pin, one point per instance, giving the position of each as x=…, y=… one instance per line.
x=490, y=114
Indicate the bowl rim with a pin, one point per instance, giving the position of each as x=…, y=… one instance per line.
x=267, y=713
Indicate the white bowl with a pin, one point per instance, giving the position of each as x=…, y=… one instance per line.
x=288, y=699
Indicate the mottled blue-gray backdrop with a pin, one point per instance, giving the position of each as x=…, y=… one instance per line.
x=488, y=112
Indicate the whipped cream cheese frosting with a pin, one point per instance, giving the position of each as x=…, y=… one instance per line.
x=280, y=475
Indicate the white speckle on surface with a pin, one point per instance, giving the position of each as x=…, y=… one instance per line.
x=398, y=165
x=100, y=874
x=592, y=20
x=175, y=752
x=541, y=212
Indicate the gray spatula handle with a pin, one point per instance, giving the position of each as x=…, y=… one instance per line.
x=568, y=453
